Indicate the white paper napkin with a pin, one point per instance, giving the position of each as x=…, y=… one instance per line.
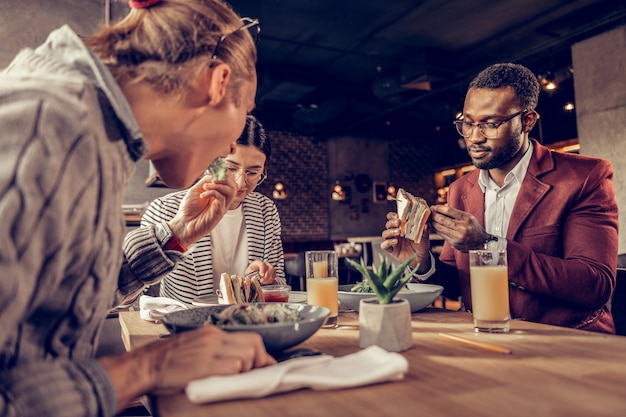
x=153, y=308
x=368, y=366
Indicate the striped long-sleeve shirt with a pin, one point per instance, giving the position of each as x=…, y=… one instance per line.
x=193, y=276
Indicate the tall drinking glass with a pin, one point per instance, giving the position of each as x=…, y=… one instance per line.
x=489, y=284
x=322, y=282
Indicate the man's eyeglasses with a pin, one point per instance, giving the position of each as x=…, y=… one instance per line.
x=488, y=129
x=250, y=176
x=247, y=23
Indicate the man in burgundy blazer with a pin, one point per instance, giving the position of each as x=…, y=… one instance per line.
x=561, y=232
x=561, y=240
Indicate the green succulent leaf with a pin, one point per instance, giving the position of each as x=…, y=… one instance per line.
x=387, y=281
x=375, y=282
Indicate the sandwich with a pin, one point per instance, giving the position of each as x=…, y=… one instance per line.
x=413, y=212
x=239, y=290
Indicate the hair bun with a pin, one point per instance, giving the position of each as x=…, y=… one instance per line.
x=141, y=4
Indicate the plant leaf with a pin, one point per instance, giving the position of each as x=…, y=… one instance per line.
x=388, y=281
x=372, y=278
x=377, y=284
x=396, y=280
x=382, y=269
x=398, y=272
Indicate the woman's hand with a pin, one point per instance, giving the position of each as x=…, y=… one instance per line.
x=202, y=208
x=402, y=248
x=267, y=272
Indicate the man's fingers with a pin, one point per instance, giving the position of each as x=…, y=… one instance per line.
x=389, y=244
x=448, y=211
x=392, y=215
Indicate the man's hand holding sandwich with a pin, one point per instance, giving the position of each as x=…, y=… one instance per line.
x=460, y=229
x=406, y=232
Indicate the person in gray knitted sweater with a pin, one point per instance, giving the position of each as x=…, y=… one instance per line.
x=76, y=114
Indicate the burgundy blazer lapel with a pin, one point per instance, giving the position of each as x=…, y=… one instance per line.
x=473, y=198
x=532, y=189
x=531, y=192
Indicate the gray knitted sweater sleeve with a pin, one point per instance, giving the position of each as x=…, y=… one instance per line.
x=68, y=145
x=60, y=245
x=63, y=166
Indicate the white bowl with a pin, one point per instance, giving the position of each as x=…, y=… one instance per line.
x=419, y=296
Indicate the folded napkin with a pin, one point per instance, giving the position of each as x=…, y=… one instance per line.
x=153, y=308
x=368, y=366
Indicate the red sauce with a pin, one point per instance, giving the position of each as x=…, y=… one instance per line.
x=276, y=297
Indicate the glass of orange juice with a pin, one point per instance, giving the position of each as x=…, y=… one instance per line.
x=489, y=286
x=322, y=282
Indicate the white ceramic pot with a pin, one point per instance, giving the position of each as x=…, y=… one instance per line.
x=385, y=325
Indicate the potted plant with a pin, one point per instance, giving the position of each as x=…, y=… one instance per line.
x=385, y=320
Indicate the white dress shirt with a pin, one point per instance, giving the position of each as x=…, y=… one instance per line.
x=499, y=203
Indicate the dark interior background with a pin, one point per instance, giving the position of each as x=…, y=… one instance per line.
x=358, y=88
x=383, y=68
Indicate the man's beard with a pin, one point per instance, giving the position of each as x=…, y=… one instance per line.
x=502, y=157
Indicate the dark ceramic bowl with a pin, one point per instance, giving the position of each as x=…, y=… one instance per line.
x=276, y=336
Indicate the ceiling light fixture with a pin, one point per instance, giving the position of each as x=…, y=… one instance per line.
x=548, y=81
x=338, y=193
x=279, y=192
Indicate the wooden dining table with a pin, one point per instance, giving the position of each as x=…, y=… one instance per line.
x=550, y=371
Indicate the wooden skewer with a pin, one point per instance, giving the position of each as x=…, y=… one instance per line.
x=473, y=343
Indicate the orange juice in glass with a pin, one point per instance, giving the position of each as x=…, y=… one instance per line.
x=489, y=286
x=322, y=284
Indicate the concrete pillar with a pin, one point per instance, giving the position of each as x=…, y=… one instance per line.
x=600, y=89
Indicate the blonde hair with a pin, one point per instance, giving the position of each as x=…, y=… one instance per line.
x=164, y=45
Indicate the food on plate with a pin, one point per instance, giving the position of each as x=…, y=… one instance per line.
x=413, y=212
x=364, y=287
x=235, y=289
x=217, y=170
x=244, y=314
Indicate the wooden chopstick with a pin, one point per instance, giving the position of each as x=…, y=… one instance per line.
x=476, y=344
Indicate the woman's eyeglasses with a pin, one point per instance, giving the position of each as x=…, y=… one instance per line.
x=250, y=176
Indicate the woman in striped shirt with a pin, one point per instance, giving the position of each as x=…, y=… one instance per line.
x=248, y=238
